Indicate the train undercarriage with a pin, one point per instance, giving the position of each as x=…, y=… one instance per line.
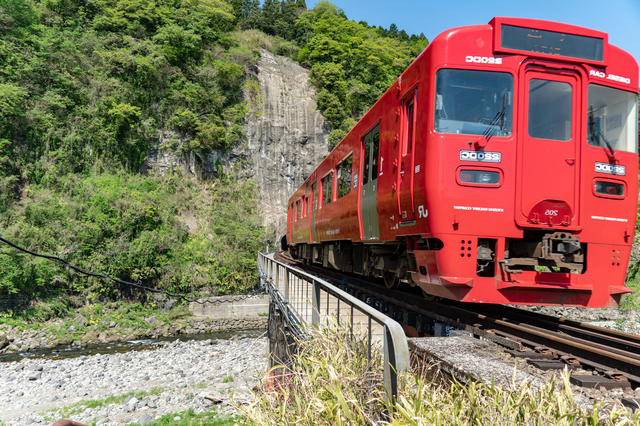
x=395, y=261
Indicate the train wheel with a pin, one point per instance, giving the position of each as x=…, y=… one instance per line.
x=391, y=280
x=429, y=297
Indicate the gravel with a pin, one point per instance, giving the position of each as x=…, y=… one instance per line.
x=627, y=321
x=181, y=374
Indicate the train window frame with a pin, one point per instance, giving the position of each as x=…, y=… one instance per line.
x=327, y=196
x=609, y=196
x=446, y=125
x=631, y=124
x=545, y=112
x=366, y=142
x=298, y=210
x=344, y=184
x=375, y=164
x=480, y=168
x=314, y=194
x=409, y=114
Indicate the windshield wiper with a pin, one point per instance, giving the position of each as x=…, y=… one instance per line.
x=592, y=132
x=498, y=118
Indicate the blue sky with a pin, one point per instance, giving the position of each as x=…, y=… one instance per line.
x=619, y=18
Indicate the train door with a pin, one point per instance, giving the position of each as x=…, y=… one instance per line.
x=549, y=148
x=368, y=205
x=314, y=207
x=405, y=194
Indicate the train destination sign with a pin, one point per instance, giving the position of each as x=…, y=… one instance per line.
x=552, y=43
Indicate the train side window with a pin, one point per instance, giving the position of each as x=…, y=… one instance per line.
x=366, y=145
x=299, y=209
x=409, y=105
x=344, y=176
x=327, y=186
x=314, y=194
x=550, y=109
x=374, y=163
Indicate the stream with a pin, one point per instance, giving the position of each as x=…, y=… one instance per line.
x=69, y=351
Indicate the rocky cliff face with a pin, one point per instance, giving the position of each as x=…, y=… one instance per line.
x=286, y=138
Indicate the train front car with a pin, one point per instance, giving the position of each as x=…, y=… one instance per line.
x=501, y=167
x=535, y=190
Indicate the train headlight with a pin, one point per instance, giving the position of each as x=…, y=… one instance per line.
x=480, y=177
x=609, y=188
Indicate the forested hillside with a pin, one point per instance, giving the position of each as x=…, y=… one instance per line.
x=87, y=87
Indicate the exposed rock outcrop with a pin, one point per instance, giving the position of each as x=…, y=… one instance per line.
x=286, y=138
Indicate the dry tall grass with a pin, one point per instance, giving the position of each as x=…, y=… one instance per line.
x=333, y=383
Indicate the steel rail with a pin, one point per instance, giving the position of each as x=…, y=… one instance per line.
x=611, y=338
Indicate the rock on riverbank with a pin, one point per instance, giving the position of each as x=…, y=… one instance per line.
x=172, y=378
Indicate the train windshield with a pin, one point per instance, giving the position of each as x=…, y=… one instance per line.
x=468, y=102
x=612, y=118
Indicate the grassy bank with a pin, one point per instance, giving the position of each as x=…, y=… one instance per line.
x=332, y=383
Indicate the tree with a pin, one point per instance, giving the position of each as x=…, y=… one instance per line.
x=393, y=30
x=15, y=14
x=270, y=12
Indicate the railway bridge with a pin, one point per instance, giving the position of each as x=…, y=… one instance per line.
x=303, y=297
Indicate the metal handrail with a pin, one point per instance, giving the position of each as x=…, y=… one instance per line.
x=396, y=349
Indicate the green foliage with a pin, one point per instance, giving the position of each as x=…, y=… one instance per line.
x=181, y=311
x=11, y=100
x=87, y=88
x=338, y=134
x=15, y=15
x=130, y=227
x=180, y=46
x=351, y=63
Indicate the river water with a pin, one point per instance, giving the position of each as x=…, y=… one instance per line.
x=62, y=352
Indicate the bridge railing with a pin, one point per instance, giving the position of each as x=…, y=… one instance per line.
x=309, y=302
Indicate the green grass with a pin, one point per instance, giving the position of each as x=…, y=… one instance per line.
x=189, y=418
x=228, y=378
x=125, y=315
x=631, y=301
x=73, y=409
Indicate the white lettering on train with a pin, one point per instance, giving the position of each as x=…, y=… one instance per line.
x=612, y=77
x=490, y=157
x=483, y=60
x=610, y=219
x=479, y=209
x=611, y=169
x=422, y=212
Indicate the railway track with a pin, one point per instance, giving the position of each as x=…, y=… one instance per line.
x=616, y=355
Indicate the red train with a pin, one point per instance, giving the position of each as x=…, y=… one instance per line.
x=500, y=167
